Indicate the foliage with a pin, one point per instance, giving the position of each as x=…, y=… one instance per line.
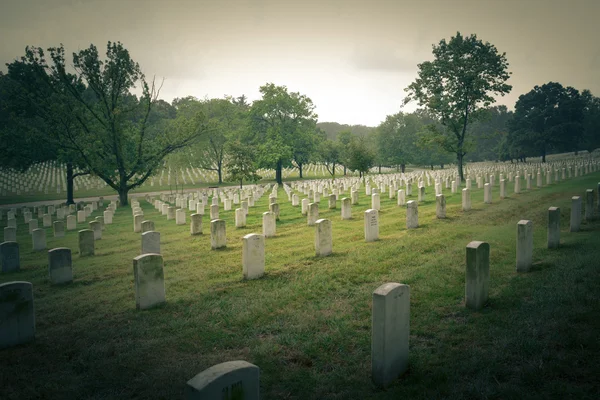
x=330, y=154
x=590, y=138
x=361, y=157
x=332, y=129
x=241, y=163
x=456, y=85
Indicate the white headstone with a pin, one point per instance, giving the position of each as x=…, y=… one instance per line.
x=253, y=256
x=149, y=280
x=371, y=225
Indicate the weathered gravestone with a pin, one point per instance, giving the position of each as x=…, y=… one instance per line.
x=59, y=228
x=149, y=279
x=137, y=223
x=524, y=245
x=97, y=229
x=440, y=206
x=214, y=211
x=180, y=217
x=71, y=222
x=589, y=204
x=47, y=221
x=313, y=213
x=80, y=216
x=346, y=208
x=253, y=256
x=38, y=238
x=575, y=213
x=323, y=238
x=150, y=242
x=371, y=225
x=171, y=213
x=375, y=201
x=196, y=224
x=218, y=237
x=10, y=234
x=240, y=217
x=9, y=257
x=232, y=380
x=274, y=208
x=60, y=267
x=477, y=274
x=86, y=243
x=17, y=318
x=100, y=220
x=390, y=333
x=553, y=227
x=268, y=224
x=147, y=226
x=33, y=224
x=412, y=215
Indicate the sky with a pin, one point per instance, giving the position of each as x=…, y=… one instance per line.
x=352, y=58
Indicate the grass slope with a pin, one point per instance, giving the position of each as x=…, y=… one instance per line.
x=307, y=323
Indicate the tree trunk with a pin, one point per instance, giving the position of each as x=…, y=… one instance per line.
x=333, y=169
x=442, y=166
x=278, y=172
x=220, y=172
x=300, y=169
x=123, y=191
x=241, y=182
x=379, y=168
x=402, y=167
x=70, y=183
x=344, y=170
x=544, y=155
x=432, y=167
x=459, y=158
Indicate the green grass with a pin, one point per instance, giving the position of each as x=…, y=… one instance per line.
x=307, y=322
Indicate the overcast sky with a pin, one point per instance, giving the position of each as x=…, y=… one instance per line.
x=352, y=58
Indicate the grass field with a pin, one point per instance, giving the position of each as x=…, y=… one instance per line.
x=307, y=322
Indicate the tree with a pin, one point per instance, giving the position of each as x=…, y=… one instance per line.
x=113, y=135
x=456, y=85
x=330, y=155
x=487, y=133
x=549, y=117
x=360, y=157
x=344, y=138
x=241, y=164
x=590, y=139
x=282, y=123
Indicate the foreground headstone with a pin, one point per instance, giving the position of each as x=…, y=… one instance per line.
x=524, y=245
x=38, y=237
x=196, y=224
x=412, y=215
x=313, y=213
x=149, y=280
x=466, y=199
x=86, y=243
x=323, y=238
x=10, y=234
x=151, y=242
x=575, y=213
x=147, y=226
x=487, y=193
x=253, y=256
x=477, y=274
x=60, y=267
x=390, y=332
x=553, y=227
x=371, y=225
x=440, y=206
x=346, y=208
x=240, y=217
x=268, y=224
x=9, y=257
x=17, y=318
x=218, y=237
x=227, y=381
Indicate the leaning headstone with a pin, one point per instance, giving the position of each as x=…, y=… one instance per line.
x=149, y=280
x=218, y=237
x=524, y=245
x=268, y=224
x=229, y=380
x=60, y=267
x=390, y=332
x=553, y=227
x=86, y=243
x=71, y=222
x=9, y=257
x=253, y=256
x=10, y=234
x=97, y=229
x=17, y=318
x=477, y=274
x=440, y=206
x=196, y=224
x=575, y=213
x=412, y=215
x=346, y=208
x=323, y=238
x=147, y=226
x=589, y=204
x=151, y=242
x=59, y=229
x=38, y=237
x=371, y=225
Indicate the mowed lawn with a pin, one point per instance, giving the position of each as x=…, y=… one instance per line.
x=307, y=322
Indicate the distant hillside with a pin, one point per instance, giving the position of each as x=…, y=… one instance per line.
x=332, y=129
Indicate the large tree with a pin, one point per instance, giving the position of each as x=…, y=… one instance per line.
x=548, y=118
x=282, y=124
x=456, y=85
x=590, y=139
x=112, y=134
x=361, y=156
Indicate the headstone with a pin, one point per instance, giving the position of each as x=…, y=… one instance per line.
x=47, y=221
x=346, y=209
x=80, y=216
x=180, y=217
x=97, y=229
x=274, y=208
x=268, y=224
x=421, y=196
x=200, y=208
x=149, y=280
x=575, y=213
x=137, y=223
x=401, y=198
x=9, y=257
x=17, y=318
x=502, y=188
x=371, y=225
x=33, y=224
x=313, y=213
x=227, y=381
x=240, y=217
x=466, y=199
x=196, y=224
x=375, y=201
x=304, y=206
x=332, y=202
x=412, y=215
x=214, y=211
x=487, y=193
x=147, y=226
x=59, y=229
x=86, y=243
x=553, y=227
x=354, y=197
x=440, y=206
x=477, y=274
x=517, y=184
x=253, y=256
x=524, y=245
x=100, y=220
x=151, y=242
x=323, y=238
x=60, y=267
x=10, y=234
x=171, y=213
x=38, y=237
x=390, y=332
x=71, y=222
x=12, y=223
x=218, y=238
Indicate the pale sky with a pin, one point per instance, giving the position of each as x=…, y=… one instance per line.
x=352, y=58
